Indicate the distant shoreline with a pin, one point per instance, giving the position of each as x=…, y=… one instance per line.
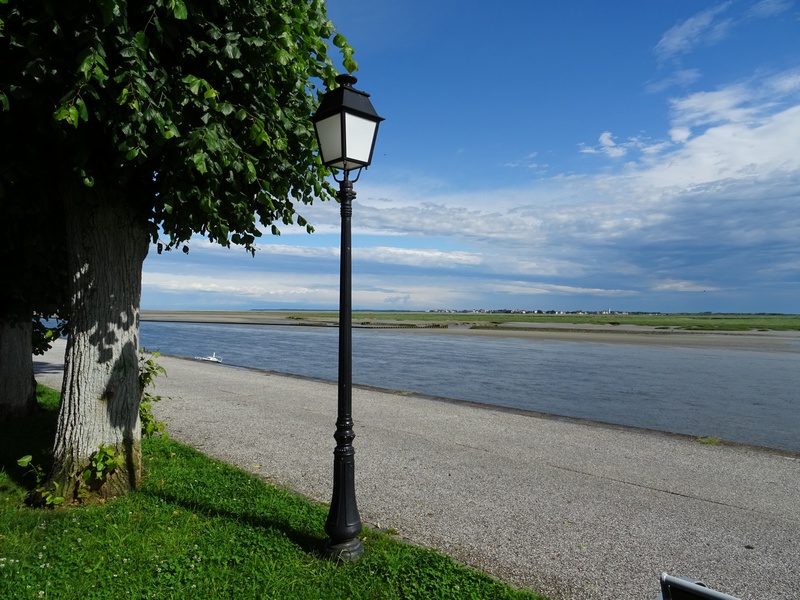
x=776, y=341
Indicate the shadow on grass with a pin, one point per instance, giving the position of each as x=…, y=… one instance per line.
x=182, y=476
x=178, y=475
x=305, y=541
x=32, y=435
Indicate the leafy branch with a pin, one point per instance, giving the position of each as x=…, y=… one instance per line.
x=149, y=369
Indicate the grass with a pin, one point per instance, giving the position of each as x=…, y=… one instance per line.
x=198, y=528
x=697, y=322
x=708, y=440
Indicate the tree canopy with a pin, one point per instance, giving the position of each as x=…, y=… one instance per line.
x=130, y=123
x=196, y=109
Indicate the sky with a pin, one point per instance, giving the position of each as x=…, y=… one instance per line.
x=576, y=155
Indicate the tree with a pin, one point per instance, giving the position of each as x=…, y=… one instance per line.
x=32, y=289
x=152, y=122
x=17, y=385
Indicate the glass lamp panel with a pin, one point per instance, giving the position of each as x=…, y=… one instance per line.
x=360, y=136
x=329, y=134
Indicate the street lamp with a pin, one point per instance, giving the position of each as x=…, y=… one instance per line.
x=346, y=126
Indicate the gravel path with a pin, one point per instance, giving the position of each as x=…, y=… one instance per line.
x=574, y=510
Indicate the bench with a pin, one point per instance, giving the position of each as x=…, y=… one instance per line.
x=678, y=588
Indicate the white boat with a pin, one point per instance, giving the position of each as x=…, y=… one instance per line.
x=212, y=358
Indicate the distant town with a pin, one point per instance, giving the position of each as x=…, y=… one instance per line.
x=516, y=311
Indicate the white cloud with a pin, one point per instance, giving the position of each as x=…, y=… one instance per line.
x=606, y=145
x=680, y=134
x=241, y=283
x=713, y=25
x=683, y=286
x=734, y=150
x=786, y=83
x=705, y=27
x=528, y=288
x=731, y=104
x=769, y=8
x=680, y=78
x=420, y=258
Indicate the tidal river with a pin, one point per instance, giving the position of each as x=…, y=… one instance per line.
x=733, y=393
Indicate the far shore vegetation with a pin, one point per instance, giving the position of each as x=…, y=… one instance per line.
x=197, y=528
x=677, y=321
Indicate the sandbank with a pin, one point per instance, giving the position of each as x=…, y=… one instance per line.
x=769, y=341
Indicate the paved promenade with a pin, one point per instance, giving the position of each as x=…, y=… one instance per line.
x=574, y=510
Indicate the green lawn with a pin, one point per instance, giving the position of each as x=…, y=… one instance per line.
x=197, y=528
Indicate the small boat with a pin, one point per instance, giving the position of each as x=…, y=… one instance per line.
x=212, y=358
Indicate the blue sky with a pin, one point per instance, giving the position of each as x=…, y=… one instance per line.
x=576, y=155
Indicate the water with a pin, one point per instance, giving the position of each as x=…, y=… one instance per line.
x=735, y=394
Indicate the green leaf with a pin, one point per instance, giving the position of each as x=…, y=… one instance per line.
x=179, y=10
x=140, y=41
x=132, y=153
x=212, y=142
x=193, y=82
x=82, y=111
x=123, y=95
x=171, y=131
x=61, y=114
x=232, y=51
x=109, y=7
x=225, y=108
x=350, y=64
x=4, y=98
x=86, y=64
x=98, y=56
x=199, y=160
x=25, y=460
x=73, y=115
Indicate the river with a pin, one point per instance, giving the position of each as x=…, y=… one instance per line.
x=733, y=393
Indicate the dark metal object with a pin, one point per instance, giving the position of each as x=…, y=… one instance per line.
x=346, y=126
x=682, y=588
x=344, y=522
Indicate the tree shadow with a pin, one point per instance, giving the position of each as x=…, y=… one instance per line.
x=308, y=543
x=47, y=368
x=32, y=435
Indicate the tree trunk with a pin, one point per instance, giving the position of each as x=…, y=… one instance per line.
x=17, y=386
x=101, y=394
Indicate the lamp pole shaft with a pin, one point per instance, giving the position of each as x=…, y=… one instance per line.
x=344, y=522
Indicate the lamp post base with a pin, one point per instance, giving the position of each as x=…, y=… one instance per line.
x=347, y=551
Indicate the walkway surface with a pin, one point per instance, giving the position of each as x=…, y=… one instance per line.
x=572, y=509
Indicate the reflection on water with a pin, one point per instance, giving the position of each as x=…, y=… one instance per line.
x=731, y=393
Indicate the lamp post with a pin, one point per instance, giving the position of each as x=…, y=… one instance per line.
x=346, y=126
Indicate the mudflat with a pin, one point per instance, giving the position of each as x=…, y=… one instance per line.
x=776, y=341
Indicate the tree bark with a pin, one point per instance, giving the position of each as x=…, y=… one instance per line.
x=106, y=247
x=17, y=385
